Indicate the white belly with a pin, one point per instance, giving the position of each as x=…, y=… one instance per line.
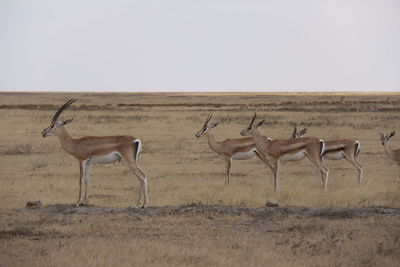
x=244, y=155
x=109, y=158
x=293, y=157
x=338, y=155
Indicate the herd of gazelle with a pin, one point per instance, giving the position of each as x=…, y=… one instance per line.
x=273, y=152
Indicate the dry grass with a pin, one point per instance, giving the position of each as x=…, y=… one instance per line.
x=183, y=169
x=196, y=240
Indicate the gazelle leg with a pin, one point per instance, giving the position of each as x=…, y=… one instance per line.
x=275, y=170
x=129, y=157
x=81, y=176
x=324, y=173
x=318, y=175
x=323, y=169
x=263, y=159
x=358, y=166
x=86, y=174
x=143, y=183
x=139, y=201
x=360, y=170
x=228, y=169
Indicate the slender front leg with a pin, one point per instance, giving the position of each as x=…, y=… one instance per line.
x=269, y=164
x=275, y=169
x=228, y=168
x=81, y=175
x=263, y=159
x=86, y=170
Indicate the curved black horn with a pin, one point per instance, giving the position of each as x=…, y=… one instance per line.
x=253, y=119
x=60, y=110
x=208, y=119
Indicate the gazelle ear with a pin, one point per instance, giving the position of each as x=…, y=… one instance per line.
x=214, y=125
x=66, y=122
x=392, y=134
x=302, y=132
x=381, y=135
x=260, y=123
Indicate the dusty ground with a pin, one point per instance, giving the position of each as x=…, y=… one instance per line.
x=196, y=235
x=183, y=170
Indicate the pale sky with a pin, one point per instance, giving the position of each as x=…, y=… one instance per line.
x=203, y=45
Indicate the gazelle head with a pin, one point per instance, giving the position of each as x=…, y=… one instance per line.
x=55, y=123
x=385, y=138
x=252, y=126
x=297, y=134
x=206, y=127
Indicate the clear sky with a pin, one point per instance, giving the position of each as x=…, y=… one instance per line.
x=202, y=45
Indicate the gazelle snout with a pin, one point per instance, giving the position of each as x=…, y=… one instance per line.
x=45, y=132
x=200, y=133
x=243, y=132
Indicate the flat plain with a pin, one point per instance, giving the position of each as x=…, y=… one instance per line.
x=186, y=178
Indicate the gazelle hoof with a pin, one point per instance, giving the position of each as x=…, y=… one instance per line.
x=80, y=203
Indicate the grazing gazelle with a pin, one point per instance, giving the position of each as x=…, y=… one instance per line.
x=340, y=149
x=93, y=149
x=276, y=151
x=394, y=154
x=241, y=148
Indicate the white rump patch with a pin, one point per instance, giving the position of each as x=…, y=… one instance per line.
x=109, y=158
x=244, y=155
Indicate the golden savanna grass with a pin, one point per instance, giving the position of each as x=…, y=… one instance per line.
x=182, y=169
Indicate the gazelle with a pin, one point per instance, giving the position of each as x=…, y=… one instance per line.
x=241, y=148
x=93, y=149
x=340, y=149
x=394, y=154
x=276, y=151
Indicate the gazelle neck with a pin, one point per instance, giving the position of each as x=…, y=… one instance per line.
x=67, y=142
x=257, y=136
x=388, y=150
x=214, y=145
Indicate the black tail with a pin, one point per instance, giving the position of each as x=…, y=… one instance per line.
x=137, y=148
x=357, y=148
x=321, y=148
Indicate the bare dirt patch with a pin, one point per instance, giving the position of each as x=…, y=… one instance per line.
x=260, y=212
